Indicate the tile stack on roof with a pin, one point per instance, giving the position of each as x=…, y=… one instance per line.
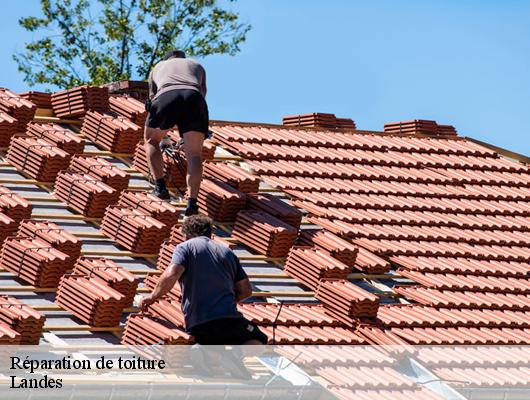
x=101, y=169
x=116, y=134
x=220, y=201
x=310, y=265
x=290, y=314
x=346, y=301
x=337, y=247
x=13, y=205
x=149, y=204
x=276, y=207
x=169, y=310
x=57, y=237
x=151, y=280
x=18, y=107
x=134, y=230
x=345, y=123
x=90, y=299
x=174, y=170
x=446, y=130
x=166, y=252
x=143, y=329
x=85, y=194
x=8, y=335
x=55, y=134
x=130, y=108
x=40, y=99
x=78, y=101
x=232, y=175
x=321, y=120
x=8, y=127
x=115, y=276
x=415, y=127
x=264, y=233
x=21, y=318
x=8, y=227
x=34, y=261
x=37, y=158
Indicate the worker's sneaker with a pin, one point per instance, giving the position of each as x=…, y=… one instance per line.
x=162, y=194
x=191, y=210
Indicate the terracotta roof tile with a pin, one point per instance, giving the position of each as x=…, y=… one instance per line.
x=78, y=101
x=148, y=330
x=8, y=227
x=37, y=158
x=116, y=134
x=21, y=318
x=220, y=201
x=366, y=377
x=339, y=248
x=101, y=169
x=276, y=207
x=18, y=107
x=61, y=137
x=130, y=108
x=149, y=204
x=232, y=175
x=8, y=335
x=14, y=205
x=290, y=314
x=8, y=127
x=290, y=335
x=40, y=99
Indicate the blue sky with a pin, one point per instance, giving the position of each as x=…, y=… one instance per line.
x=459, y=62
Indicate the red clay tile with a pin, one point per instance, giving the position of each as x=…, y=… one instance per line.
x=76, y=102
x=149, y=204
x=18, y=107
x=8, y=227
x=232, y=175
x=9, y=336
x=143, y=329
x=101, y=169
x=290, y=314
x=8, y=128
x=276, y=207
x=40, y=99
x=55, y=134
x=13, y=205
x=339, y=248
x=220, y=201
x=21, y=318
x=130, y=108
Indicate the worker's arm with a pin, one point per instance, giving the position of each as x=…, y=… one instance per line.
x=242, y=289
x=167, y=280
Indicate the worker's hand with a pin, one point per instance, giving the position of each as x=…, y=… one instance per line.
x=145, y=302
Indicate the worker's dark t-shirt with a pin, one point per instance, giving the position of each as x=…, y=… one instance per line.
x=207, y=284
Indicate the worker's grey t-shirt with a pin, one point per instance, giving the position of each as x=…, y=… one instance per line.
x=207, y=285
x=176, y=73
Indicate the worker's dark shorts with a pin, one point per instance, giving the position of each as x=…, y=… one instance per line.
x=230, y=331
x=184, y=108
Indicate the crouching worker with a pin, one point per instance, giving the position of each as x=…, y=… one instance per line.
x=212, y=281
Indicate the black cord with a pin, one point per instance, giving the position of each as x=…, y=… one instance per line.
x=274, y=323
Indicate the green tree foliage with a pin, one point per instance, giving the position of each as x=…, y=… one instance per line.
x=99, y=41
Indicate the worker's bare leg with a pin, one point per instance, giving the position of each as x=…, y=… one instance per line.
x=193, y=142
x=152, y=138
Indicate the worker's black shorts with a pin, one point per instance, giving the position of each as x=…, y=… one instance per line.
x=229, y=331
x=184, y=108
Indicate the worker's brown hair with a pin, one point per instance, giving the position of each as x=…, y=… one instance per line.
x=197, y=225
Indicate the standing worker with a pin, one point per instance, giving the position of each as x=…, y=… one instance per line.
x=177, y=90
x=212, y=281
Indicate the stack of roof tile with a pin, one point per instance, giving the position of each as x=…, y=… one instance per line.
x=414, y=127
x=130, y=108
x=115, y=276
x=51, y=233
x=345, y=123
x=151, y=280
x=264, y=233
x=276, y=207
x=14, y=206
x=40, y=99
x=290, y=314
x=8, y=227
x=169, y=310
x=78, y=101
x=90, y=299
x=166, y=252
x=9, y=336
x=21, y=318
x=85, y=194
x=101, y=169
x=18, y=107
x=143, y=329
x=34, y=261
x=37, y=158
x=115, y=134
x=137, y=232
x=309, y=265
x=446, y=130
x=321, y=335
x=174, y=170
x=8, y=127
x=321, y=120
x=346, y=301
x=233, y=175
x=61, y=137
x=338, y=248
x=220, y=201
x=151, y=205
